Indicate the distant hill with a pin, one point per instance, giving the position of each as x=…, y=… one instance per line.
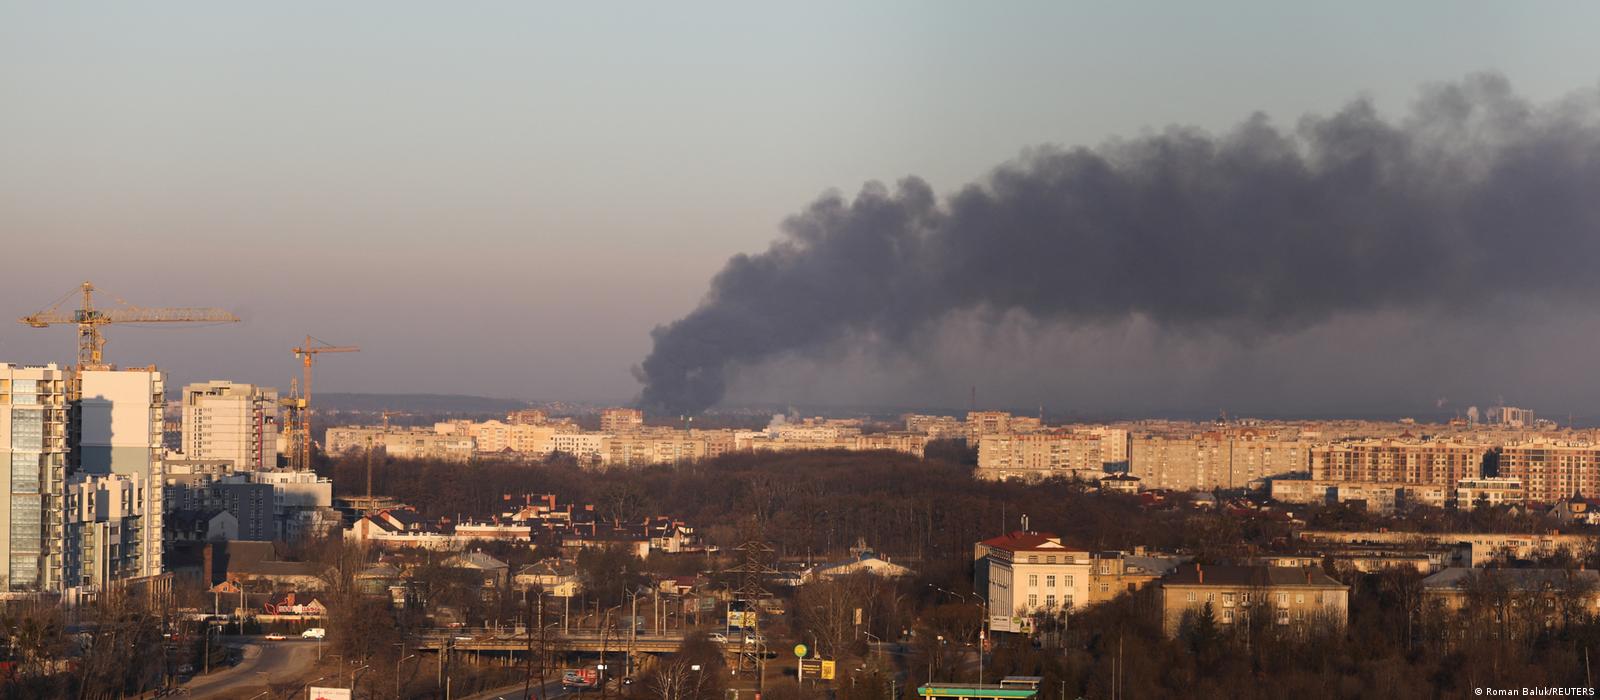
x=415, y=403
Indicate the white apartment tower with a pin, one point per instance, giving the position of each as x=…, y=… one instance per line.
x=118, y=431
x=235, y=422
x=33, y=443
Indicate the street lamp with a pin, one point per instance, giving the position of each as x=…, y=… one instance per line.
x=354, y=674
x=308, y=684
x=397, y=674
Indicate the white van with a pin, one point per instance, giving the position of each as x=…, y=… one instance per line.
x=314, y=633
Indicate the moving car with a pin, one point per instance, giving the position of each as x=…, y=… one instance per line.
x=314, y=633
x=276, y=637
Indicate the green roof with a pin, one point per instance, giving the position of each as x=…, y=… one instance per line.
x=971, y=690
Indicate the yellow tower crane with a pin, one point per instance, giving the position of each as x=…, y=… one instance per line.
x=89, y=318
x=307, y=354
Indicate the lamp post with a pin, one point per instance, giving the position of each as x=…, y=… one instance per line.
x=308, y=684
x=983, y=624
x=355, y=674
x=397, y=674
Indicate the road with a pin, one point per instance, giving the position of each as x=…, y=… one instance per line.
x=552, y=691
x=281, y=661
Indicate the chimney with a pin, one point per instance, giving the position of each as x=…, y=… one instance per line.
x=1199, y=572
x=206, y=563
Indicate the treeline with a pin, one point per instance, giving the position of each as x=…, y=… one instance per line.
x=817, y=503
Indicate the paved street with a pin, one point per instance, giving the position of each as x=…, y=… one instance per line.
x=280, y=660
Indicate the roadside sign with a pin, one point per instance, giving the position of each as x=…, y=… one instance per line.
x=329, y=693
x=800, y=650
x=818, y=668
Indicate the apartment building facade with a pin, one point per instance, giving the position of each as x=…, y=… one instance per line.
x=1290, y=597
x=1552, y=471
x=1404, y=460
x=33, y=443
x=118, y=431
x=237, y=422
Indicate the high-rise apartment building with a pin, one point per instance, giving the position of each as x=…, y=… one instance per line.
x=117, y=429
x=33, y=443
x=1230, y=458
x=236, y=422
x=1405, y=461
x=617, y=420
x=105, y=526
x=1551, y=471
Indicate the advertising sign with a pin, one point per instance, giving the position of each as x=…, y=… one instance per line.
x=328, y=693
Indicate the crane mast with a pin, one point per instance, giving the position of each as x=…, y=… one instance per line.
x=307, y=354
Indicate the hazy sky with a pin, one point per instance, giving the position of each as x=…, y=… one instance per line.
x=504, y=198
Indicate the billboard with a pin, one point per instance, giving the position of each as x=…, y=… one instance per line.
x=328, y=693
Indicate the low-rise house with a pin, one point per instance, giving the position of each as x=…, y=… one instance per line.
x=1516, y=601
x=865, y=561
x=292, y=604
x=1113, y=573
x=1578, y=511
x=1120, y=482
x=554, y=576
x=1290, y=596
x=256, y=566
x=493, y=571
x=191, y=526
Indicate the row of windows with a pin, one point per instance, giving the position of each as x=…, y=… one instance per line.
x=1228, y=598
x=1049, y=602
x=1049, y=581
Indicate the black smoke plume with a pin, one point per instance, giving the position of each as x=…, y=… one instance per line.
x=1474, y=195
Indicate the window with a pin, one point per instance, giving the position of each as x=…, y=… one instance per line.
x=1299, y=598
x=1050, y=559
x=1191, y=598
x=1033, y=558
x=1211, y=597
x=1283, y=617
x=1069, y=580
x=1049, y=582
x=1050, y=602
x=1227, y=616
x=1033, y=601
x=1033, y=580
x=1283, y=599
x=1105, y=588
x=1227, y=600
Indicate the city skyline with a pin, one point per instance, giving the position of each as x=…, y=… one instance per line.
x=523, y=243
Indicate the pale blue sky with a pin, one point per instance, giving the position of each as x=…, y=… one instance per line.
x=503, y=198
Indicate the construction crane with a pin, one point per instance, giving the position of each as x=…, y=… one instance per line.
x=89, y=318
x=386, y=414
x=307, y=354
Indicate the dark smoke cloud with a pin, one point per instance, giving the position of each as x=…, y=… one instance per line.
x=1474, y=196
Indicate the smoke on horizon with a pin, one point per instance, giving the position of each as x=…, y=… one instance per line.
x=1473, y=196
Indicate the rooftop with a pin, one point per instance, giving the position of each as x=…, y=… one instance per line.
x=1251, y=576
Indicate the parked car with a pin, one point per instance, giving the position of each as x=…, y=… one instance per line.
x=314, y=633
x=276, y=637
x=718, y=637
